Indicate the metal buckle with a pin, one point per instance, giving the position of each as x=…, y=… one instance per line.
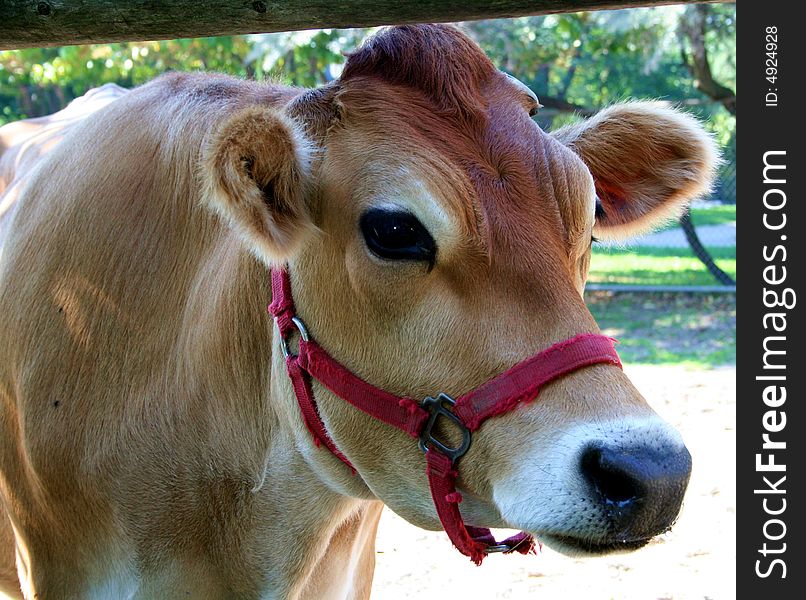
x=499, y=548
x=504, y=547
x=436, y=406
x=303, y=333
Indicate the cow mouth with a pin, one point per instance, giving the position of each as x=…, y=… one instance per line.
x=576, y=546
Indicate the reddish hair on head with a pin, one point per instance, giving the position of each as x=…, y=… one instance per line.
x=439, y=60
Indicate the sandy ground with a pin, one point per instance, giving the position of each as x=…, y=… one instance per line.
x=696, y=560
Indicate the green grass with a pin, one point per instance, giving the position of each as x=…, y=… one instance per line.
x=714, y=215
x=691, y=330
x=718, y=214
x=643, y=265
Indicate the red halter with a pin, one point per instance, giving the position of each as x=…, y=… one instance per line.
x=520, y=384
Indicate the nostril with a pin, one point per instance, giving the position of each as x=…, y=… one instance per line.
x=611, y=476
x=639, y=487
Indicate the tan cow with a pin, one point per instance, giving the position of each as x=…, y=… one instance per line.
x=150, y=442
x=24, y=143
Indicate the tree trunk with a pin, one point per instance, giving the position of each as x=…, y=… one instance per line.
x=693, y=25
x=700, y=251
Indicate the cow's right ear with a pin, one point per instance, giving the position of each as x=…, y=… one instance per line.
x=256, y=171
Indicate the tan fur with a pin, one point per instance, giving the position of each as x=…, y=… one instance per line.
x=150, y=443
x=23, y=142
x=260, y=168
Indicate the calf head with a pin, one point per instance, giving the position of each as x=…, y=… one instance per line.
x=435, y=236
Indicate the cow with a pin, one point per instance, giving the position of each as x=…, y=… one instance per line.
x=432, y=236
x=22, y=143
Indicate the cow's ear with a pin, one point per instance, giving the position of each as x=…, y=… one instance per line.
x=318, y=110
x=647, y=160
x=256, y=171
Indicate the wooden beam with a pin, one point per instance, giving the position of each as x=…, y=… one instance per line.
x=39, y=23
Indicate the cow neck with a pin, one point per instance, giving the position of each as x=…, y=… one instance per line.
x=522, y=383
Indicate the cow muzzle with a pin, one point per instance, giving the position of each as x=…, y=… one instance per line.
x=639, y=488
x=622, y=481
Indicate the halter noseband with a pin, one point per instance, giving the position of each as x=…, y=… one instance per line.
x=503, y=393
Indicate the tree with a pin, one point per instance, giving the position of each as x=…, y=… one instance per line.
x=576, y=63
x=35, y=82
x=695, y=23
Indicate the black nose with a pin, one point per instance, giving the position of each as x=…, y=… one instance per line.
x=639, y=488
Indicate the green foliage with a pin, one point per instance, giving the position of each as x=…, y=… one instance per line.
x=34, y=82
x=592, y=59
x=306, y=58
x=585, y=60
x=721, y=39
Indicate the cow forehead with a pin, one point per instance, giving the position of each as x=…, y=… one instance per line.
x=498, y=177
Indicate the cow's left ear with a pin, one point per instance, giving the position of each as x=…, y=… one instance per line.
x=256, y=171
x=647, y=160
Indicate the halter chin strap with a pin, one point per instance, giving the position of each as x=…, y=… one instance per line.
x=522, y=383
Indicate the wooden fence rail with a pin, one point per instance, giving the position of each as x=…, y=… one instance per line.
x=39, y=23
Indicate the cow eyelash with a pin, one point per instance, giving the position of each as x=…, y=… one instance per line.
x=594, y=239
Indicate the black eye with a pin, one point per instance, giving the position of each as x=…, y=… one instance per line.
x=397, y=235
x=599, y=212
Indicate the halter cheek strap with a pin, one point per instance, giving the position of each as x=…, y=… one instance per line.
x=522, y=383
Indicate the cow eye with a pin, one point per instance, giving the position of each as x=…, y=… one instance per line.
x=397, y=235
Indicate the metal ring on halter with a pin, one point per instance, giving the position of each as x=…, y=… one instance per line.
x=303, y=333
x=499, y=548
x=505, y=547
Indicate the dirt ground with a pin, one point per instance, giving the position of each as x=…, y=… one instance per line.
x=695, y=560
